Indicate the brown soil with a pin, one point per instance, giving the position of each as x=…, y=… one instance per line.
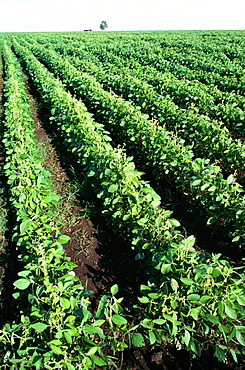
x=83, y=244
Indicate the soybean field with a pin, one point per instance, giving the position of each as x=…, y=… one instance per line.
x=149, y=128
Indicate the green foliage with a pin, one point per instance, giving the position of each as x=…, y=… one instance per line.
x=165, y=153
x=57, y=329
x=3, y=208
x=191, y=299
x=156, y=93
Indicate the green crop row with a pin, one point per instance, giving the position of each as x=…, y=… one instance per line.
x=221, y=198
x=207, y=138
x=187, y=94
x=3, y=207
x=185, y=57
x=56, y=329
x=192, y=299
x=3, y=211
x=160, y=61
x=228, y=107
x=190, y=94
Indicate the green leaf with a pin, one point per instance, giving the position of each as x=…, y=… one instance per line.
x=210, y=221
x=174, y=304
x=158, y=221
x=195, y=348
x=205, y=299
x=24, y=273
x=187, y=281
x=98, y=361
x=159, y=321
x=240, y=338
x=73, y=302
x=194, y=312
x=24, y=226
x=166, y=268
x=119, y=320
x=56, y=350
x=39, y=326
x=204, y=187
x=196, y=182
x=230, y=179
x=193, y=297
x=65, y=303
x=70, y=367
x=220, y=353
x=91, y=173
x=174, y=222
x=190, y=241
x=144, y=288
x=142, y=221
x=63, y=239
x=241, y=301
x=187, y=338
x=213, y=319
x=22, y=284
x=94, y=330
x=138, y=340
x=152, y=337
x=107, y=172
x=113, y=188
x=233, y=353
x=139, y=256
x=92, y=351
x=239, y=214
x=230, y=312
x=98, y=322
x=143, y=299
x=68, y=337
x=114, y=289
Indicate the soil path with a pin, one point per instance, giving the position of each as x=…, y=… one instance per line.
x=83, y=243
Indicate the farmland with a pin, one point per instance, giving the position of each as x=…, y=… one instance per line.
x=153, y=123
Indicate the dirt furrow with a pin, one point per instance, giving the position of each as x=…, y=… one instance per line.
x=83, y=243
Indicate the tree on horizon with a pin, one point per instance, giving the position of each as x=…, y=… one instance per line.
x=103, y=25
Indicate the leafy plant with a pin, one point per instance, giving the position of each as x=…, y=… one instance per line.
x=174, y=267
x=57, y=329
x=221, y=199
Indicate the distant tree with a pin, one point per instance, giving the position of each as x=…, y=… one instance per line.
x=103, y=25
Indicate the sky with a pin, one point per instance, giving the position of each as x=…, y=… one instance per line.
x=120, y=15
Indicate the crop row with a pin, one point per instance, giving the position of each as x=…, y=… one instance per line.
x=136, y=48
x=158, y=148
x=186, y=93
x=145, y=55
x=169, y=76
x=221, y=46
x=56, y=329
x=3, y=208
x=191, y=299
x=206, y=136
